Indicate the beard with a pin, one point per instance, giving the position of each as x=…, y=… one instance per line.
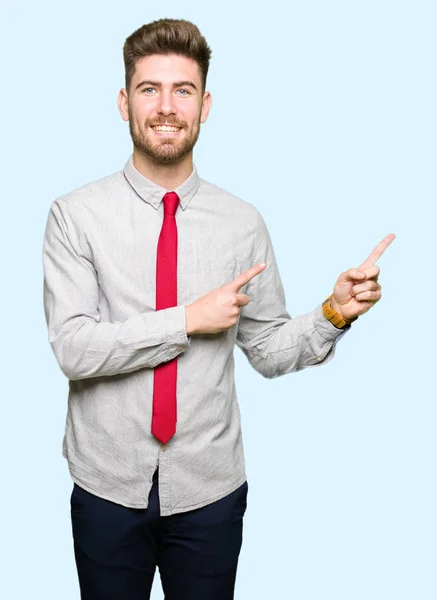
x=163, y=150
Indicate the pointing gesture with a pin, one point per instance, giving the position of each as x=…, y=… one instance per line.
x=236, y=284
x=357, y=290
x=377, y=252
x=219, y=309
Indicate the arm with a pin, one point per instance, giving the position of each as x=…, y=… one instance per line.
x=274, y=343
x=85, y=346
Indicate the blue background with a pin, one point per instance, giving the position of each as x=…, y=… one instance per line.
x=324, y=118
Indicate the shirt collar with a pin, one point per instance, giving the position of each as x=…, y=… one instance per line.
x=153, y=193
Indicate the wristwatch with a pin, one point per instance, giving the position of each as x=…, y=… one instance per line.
x=332, y=315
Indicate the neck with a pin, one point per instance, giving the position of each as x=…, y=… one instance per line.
x=168, y=176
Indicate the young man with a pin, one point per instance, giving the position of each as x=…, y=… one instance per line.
x=151, y=276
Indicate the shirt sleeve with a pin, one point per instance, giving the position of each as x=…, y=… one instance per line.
x=273, y=341
x=84, y=345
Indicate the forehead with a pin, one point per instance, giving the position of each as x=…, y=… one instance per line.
x=166, y=68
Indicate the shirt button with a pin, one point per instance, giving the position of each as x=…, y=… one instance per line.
x=164, y=447
x=180, y=348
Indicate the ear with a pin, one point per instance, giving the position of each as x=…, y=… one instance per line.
x=206, y=106
x=123, y=105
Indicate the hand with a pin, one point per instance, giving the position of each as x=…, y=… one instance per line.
x=219, y=309
x=357, y=290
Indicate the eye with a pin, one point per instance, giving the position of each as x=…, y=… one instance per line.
x=186, y=92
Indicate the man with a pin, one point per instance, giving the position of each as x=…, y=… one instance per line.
x=151, y=276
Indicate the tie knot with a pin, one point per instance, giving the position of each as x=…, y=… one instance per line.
x=171, y=202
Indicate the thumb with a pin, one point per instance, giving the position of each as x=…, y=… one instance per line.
x=352, y=275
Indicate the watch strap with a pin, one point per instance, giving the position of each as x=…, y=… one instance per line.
x=333, y=316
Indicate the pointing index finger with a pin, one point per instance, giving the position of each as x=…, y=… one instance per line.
x=377, y=252
x=237, y=283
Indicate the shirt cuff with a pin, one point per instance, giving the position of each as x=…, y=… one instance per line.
x=176, y=328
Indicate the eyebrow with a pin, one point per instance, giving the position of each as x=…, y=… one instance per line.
x=158, y=84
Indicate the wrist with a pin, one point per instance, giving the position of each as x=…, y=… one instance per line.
x=336, y=306
x=190, y=320
x=334, y=315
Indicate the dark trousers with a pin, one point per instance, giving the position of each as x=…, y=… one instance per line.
x=117, y=549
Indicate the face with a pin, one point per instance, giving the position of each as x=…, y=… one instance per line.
x=165, y=89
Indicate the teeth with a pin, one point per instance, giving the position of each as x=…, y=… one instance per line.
x=165, y=128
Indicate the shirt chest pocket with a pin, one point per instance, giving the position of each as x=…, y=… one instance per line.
x=204, y=275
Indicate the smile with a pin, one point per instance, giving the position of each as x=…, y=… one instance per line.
x=166, y=130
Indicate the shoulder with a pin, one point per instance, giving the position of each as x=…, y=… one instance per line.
x=230, y=202
x=91, y=192
x=71, y=210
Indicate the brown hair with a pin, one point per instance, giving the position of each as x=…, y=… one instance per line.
x=166, y=36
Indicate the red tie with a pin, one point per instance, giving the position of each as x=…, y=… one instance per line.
x=164, y=388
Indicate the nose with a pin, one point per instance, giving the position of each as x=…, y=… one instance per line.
x=166, y=102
